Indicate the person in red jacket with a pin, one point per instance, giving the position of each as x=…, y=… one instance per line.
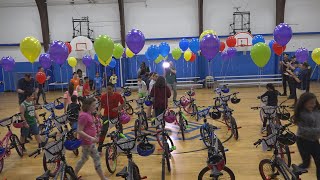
x=161, y=93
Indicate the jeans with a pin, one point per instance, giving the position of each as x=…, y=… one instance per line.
x=284, y=83
x=41, y=92
x=173, y=87
x=292, y=87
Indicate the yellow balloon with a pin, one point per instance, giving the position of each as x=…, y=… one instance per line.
x=129, y=53
x=72, y=61
x=159, y=59
x=187, y=55
x=207, y=32
x=316, y=55
x=30, y=47
x=105, y=63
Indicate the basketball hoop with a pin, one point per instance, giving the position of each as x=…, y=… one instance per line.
x=244, y=41
x=81, y=45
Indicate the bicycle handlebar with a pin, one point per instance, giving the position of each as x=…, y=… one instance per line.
x=222, y=96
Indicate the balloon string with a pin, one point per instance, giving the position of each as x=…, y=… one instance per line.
x=34, y=82
x=10, y=81
x=4, y=87
x=61, y=79
x=222, y=66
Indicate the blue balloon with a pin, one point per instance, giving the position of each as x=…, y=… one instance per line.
x=164, y=49
x=147, y=55
x=194, y=45
x=258, y=38
x=271, y=44
x=184, y=44
x=112, y=63
x=153, y=52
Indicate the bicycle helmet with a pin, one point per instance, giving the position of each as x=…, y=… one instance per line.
x=217, y=161
x=283, y=115
x=184, y=101
x=225, y=89
x=148, y=101
x=289, y=138
x=59, y=106
x=215, y=114
x=170, y=116
x=127, y=92
x=145, y=149
x=2, y=152
x=124, y=118
x=18, y=123
x=72, y=144
x=235, y=100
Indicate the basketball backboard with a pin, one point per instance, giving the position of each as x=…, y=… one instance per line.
x=244, y=41
x=81, y=45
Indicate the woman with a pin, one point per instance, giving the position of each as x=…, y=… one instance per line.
x=307, y=118
x=67, y=96
x=161, y=93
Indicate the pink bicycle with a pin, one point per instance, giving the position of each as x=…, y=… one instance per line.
x=5, y=144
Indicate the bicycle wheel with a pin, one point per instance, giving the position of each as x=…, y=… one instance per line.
x=69, y=174
x=284, y=153
x=268, y=170
x=163, y=171
x=222, y=152
x=169, y=140
x=111, y=158
x=43, y=134
x=128, y=108
x=15, y=142
x=182, y=126
x=137, y=128
x=167, y=156
x=1, y=164
x=145, y=121
x=52, y=166
x=234, y=128
x=135, y=172
x=226, y=173
x=205, y=135
x=189, y=109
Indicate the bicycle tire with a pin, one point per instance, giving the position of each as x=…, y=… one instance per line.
x=170, y=143
x=42, y=133
x=111, y=156
x=16, y=144
x=45, y=166
x=181, y=125
x=167, y=156
x=1, y=164
x=135, y=172
x=163, y=171
x=137, y=128
x=234, y=128
x=225, y=170
x=128, y=108
x=284, y=151
x=189, y=109
x=204, y=133
x=69, y=174
x=276, y=171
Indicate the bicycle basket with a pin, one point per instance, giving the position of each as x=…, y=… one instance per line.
x=215, y=114
x=113, y=122
x=61, y=120
x=271, y=110
x=49, y=106
x=283, y=114
x=52, y=150
x=6, y=122
x=126, y=144
x=17, y=122
x=288, y=138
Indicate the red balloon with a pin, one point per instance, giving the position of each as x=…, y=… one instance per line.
x=193, y=57
x=41, y=77
x=278, y=49
x=222, y=46
x=69, y=47
x=231, y=41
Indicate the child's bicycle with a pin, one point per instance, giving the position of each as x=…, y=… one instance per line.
x=10, y=140
x=276, y=167
x=191, y=106
x=126, y=93
x=141, y=123
x=181, y=120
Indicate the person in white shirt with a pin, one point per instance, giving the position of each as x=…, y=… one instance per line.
x=142, y=88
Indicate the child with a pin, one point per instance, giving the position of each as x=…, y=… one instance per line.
x=307, y=118
x=142, y=88
x=87, y=133
x=113, y=79
x=80, y=89
x=98, y=83
x=161, y=93
x=153, y=78
x=41, y=90
x=67, y=96
x=75, y=80
x=73, y=110
x=30, y=118
x=86, y=87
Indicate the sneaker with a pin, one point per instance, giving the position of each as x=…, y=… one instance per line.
x=263, y=129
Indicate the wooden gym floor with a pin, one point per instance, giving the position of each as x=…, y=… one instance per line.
x=242, y=158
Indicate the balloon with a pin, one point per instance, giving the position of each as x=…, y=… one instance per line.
x=231, y=51
x=224, y=55
x=30, y=47
x=87, y=60
x=282, y=34
x=124, y=53
x=302, y=54
x=316, y=55
x=194, y=45
x=7, y=63
x=69, y=47
x=271, y=44
x=105, y=63
x=209, y=46
x=153, y=52
x=260, y=54
x=45, y=60
x=184, y=44
x=72, y=61
x=278, y=49
x=258, y=38
x=231, y=41
x=113, y=63
x=187, y=55
x=147, y=55
x=159, y=59
x=117, y=51
x=135, y=40
x=58, y=52
x=41, y=77
x=222, y=46
x=164, y=49
x=193, y=57
x=103, y=46
x=96, y=58
x=176, y=53
x=207, y=32
x=129, y=53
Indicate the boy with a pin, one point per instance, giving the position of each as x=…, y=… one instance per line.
x=30, y=118
x=75, y=80
x=41, y=89
x=73, y=110
x=142, y=88
x=86, y=87
x=113, y=79
x=98, y=83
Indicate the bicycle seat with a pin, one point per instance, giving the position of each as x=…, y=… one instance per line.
x=297, y=170
x=123, y=173
x=43, y=114
x=44, y=176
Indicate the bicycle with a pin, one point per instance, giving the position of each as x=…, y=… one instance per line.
x=126, y=93
x=182, y=120
x=5, y=145
x=278, y=168
x=191, y=108
x=141, y=123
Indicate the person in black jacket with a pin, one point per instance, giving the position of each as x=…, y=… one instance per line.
x=73, y=111
x=285, y=77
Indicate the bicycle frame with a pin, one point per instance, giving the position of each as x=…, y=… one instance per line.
x=5, y=142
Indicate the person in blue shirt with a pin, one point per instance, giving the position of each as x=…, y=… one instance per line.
x=97, y=83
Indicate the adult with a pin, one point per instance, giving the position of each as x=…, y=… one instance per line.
x=75, y=80
x=161, y=93
x=67, y=96
x=27, y=83
x=285, y=76
x=41, y=89
x=293, y=65
x=144, y=69
x=171, y=78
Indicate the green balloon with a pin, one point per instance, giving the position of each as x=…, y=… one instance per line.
x=260, y=54
x=159, y=59
x=103, y=45
x=176, y=53
x=117, y=51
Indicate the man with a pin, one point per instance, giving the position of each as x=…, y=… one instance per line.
x=26, y=84
x=171, y=78
x=111, y=102
x=41, y=89
x=293, y=65
x=284, y=74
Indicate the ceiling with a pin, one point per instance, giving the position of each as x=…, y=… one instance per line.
x=27, y=3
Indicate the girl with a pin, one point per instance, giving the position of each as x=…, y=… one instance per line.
x=142, y=91
x=87, y=133
x=80, y=90
x=307, y=118
x=67, y=96
x=161, y=93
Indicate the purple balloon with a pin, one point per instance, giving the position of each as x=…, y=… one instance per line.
x=7, y=63
x=135, y=40
x=87, y=60
x=224, y=55
x=231, y=51
x=282, y=34
x=44, y=60
x=209, y=46
x=302, y=55
x=58, y=52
